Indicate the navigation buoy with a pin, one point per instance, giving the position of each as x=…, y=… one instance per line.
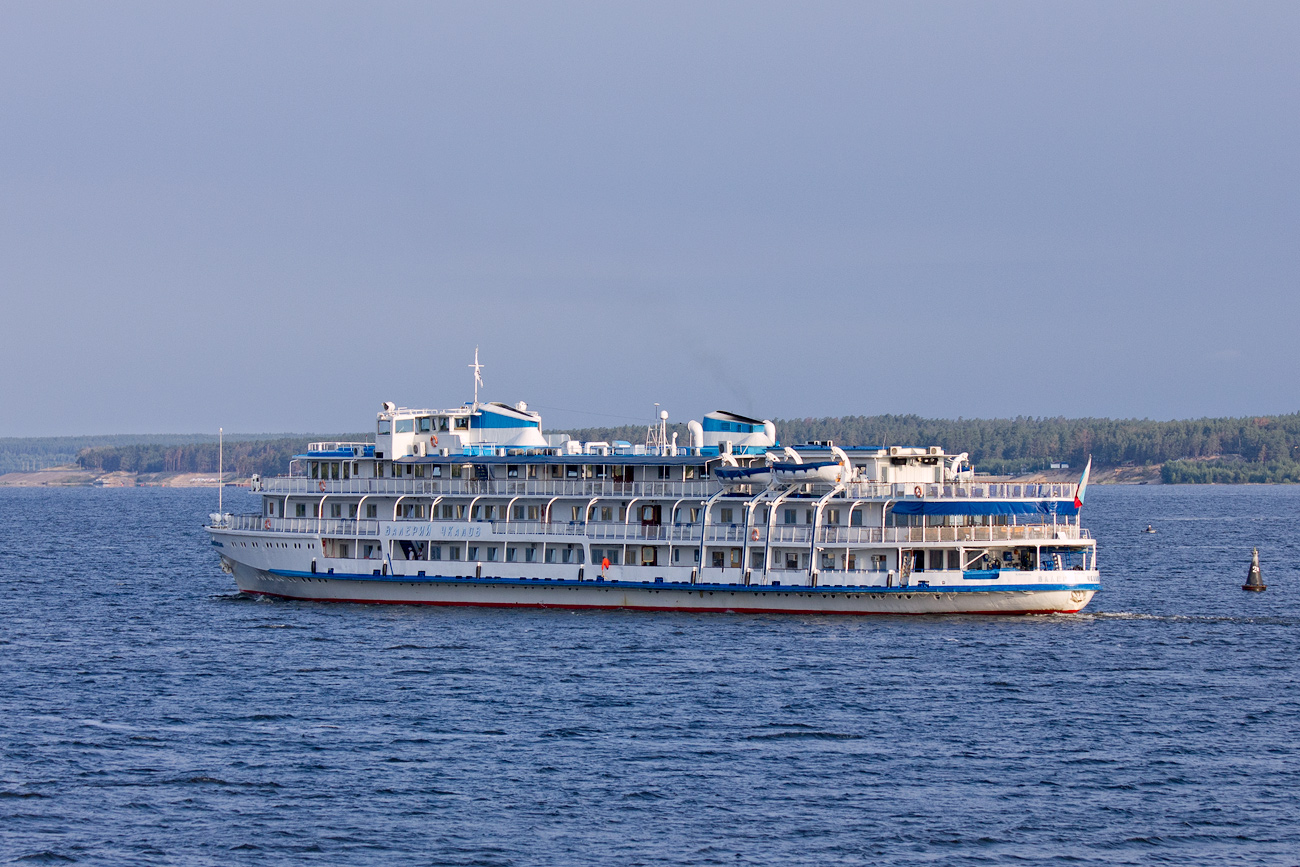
x=1253, y=579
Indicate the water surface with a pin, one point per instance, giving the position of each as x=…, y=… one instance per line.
x=151, y=715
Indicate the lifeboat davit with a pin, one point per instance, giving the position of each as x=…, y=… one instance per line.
x=820, y=472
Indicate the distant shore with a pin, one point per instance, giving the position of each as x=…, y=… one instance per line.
x=76, y=477
x=73, y=477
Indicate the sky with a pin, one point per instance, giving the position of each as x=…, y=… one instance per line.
x=273, y=216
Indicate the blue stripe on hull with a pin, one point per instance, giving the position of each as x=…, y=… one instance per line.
x=674, y=585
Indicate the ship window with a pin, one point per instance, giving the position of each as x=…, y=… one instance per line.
x=492, y=553
x=435, y=471
x=855, y=519
x=756, y=558
x=571, y=472
x=790, y=516
x=385, y=427
x=336, y=510
x=690, y=472
x=352, y=510
x=832, y=516
x=315, y=469
x=567, y=555
x=462, y=423
x=460, y=512
x=406, y=425
x=334, y=469
x=448, y=512
x=435, y=552
x=426, y=424
x=735, y=558
x=719, y=559
x=577, y=510
x=607, y=513
x=532, y=471
x=270, y=508
x=408, y=469
x=725, y=516
x=791, y=561
x=534, y=513
x=343, y=550
x=550, y=555
x=512, y=471
x=512, y=554
x=372, y=510
x=442, y=423
x=419, y=471
x=695, y=515
x=300, y=509
x=455, y=551
x=530, y=555
x=807, y=516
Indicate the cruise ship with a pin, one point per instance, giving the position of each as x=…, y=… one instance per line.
x=476, y=506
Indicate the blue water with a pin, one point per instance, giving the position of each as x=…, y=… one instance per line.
x=150, y=715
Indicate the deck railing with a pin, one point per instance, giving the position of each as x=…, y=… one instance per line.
x=697, y=489
x=284, y=485
x=730, y=534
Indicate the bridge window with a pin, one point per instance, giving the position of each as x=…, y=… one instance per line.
x=406, y=425
x=426, y=424
x=462, y=423
x=385, y=427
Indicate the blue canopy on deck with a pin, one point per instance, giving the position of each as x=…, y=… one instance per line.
x=984, y=507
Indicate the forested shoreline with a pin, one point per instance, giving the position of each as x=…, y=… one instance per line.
x=1225, y=450
x=1209, y=450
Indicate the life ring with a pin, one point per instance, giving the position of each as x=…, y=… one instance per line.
x=753, y=535
x=433, y=441
x=918, y=491
x=267, y=525
x=321, y=486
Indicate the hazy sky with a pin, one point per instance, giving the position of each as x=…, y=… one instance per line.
x=273, y=216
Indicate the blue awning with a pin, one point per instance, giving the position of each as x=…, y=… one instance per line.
x=984, y=507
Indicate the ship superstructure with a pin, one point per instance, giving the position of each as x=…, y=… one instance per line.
x=476, y=506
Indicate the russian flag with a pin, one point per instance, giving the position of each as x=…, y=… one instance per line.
x=1083, y=485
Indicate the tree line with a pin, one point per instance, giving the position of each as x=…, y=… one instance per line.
x=1247, y=449
x=243, y=458
x=1029, y=443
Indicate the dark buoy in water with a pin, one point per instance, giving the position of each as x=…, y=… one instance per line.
x=1253, y=579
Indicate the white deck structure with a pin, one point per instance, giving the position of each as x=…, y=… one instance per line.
x=474, y=506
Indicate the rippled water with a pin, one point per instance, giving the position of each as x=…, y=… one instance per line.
x=150, y=715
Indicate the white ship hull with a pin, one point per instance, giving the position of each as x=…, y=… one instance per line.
x=1050, y=596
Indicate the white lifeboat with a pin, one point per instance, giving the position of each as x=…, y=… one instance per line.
x=819, y=472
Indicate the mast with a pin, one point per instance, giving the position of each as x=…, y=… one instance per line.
x=221, y=474
x=478, y=376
